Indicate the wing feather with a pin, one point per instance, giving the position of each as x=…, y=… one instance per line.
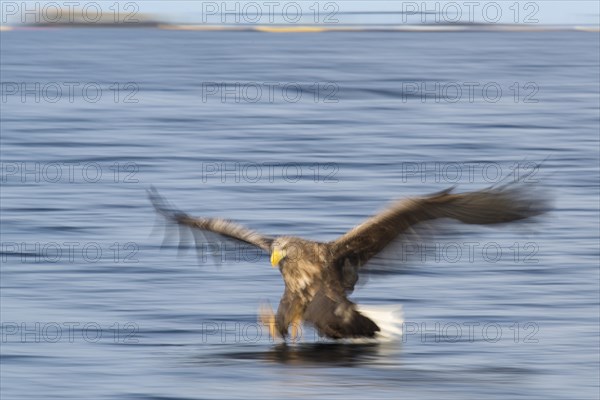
x=219, y=226
x=489, y=206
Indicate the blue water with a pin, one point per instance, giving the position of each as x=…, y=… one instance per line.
x=93, y=307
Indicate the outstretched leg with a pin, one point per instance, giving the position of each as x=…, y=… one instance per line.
x=296, y=333
x=267, y=318
x=289, y=312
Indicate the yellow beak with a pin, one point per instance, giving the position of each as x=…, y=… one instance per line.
x=276, y=256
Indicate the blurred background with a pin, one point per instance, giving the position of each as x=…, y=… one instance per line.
x=298, y=118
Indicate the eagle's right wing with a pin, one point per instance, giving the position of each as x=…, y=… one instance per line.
x=219, y=226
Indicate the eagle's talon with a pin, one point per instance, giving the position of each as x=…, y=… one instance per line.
x=296, y=333
x=267, y=318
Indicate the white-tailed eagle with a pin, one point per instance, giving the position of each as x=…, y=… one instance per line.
x=318, y=276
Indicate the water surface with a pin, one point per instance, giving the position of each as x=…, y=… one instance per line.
x=119, y=317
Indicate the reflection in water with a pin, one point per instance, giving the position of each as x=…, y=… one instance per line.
x=327, y=354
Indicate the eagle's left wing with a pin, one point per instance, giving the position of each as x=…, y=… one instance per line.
x=489, y=206
x=219, y=226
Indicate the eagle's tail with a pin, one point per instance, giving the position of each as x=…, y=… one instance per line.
x=389, y=319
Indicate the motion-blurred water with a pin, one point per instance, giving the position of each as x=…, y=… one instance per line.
x=302, y=134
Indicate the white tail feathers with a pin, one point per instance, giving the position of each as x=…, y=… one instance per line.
x=389, y=318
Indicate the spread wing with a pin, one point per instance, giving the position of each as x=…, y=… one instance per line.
x=219, y=226
x=489, y=206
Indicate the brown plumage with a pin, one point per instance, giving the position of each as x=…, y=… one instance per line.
x=318, y=276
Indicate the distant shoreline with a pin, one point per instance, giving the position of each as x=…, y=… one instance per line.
x=287, y=28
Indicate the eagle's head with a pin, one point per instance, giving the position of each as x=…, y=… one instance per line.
x=284, y=248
